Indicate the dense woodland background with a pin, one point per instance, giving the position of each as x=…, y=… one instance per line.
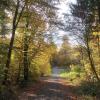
x=28, y=50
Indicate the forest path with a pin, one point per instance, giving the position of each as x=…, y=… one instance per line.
x=49, y=88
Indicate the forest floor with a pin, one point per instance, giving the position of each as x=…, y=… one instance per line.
x=49, y=88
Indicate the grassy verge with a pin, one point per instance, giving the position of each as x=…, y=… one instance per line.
x=75, y=75
x=86, y=90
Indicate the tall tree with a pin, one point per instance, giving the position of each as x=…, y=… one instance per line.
x=86, y=12
x=16, y=19
x=17, y=10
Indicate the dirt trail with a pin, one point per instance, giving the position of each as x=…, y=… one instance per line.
x=52, y=88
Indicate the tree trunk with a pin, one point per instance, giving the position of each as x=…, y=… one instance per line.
x=91, y=60
x=19, y=71
x=14, y=26
x=11, y=44
x=25, y=60
x=98, y=42
x=9, y=55
x=98, y=2
x=82, y=57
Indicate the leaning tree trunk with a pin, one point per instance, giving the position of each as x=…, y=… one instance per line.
x=16, y=20
x=91, y=60
x=11, y=44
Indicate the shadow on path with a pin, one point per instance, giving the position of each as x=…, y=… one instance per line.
x=52, y=88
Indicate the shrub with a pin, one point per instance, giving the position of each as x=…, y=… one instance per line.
x=7, y=93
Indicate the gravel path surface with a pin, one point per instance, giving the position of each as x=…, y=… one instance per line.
x=52, y=88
